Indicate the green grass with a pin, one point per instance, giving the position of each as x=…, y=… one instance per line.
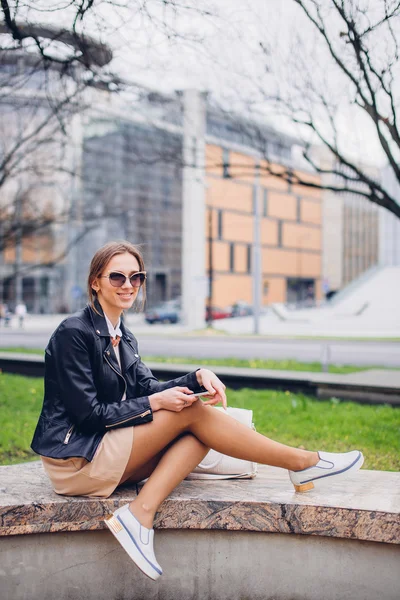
x=22, y=350
x=331, y=425
x=20, y=404
x=256, y=363
x=212, y=331
x=292, y=419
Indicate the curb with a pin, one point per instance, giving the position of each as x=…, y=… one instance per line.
x=315, y=384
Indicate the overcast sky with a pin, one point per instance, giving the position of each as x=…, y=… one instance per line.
x=217, y=48
x=228, y=61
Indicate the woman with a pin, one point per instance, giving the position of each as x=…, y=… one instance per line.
x=98, y=392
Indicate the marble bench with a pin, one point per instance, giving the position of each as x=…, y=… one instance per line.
x=238, y=539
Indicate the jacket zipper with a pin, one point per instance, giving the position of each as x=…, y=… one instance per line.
x=146, y=412
x=120, y=375
x=69, y=433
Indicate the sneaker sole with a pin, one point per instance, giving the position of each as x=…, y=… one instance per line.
x=123, y=537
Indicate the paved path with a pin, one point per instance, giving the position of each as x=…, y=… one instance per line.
x=353, y=353
x=169, y=342
x=270, y=325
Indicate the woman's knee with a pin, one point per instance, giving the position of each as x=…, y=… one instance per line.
x=193, y=441
x=194, y=411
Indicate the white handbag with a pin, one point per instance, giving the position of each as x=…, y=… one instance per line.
x=220, y=466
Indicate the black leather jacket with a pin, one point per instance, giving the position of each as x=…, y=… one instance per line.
x=84, y=386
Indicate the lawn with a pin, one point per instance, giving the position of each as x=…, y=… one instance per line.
x=258, y=363
x=292, y=419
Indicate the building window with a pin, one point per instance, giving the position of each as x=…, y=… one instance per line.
x=232, y=257
x=249, y=249
x=265, y=202
x=280, y=234
x=225, y=163
x=300, y=291
x=220, y=224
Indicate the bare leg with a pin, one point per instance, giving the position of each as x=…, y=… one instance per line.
x=216, y=430
x=222, y=433
x=142, y=472
x=209, y=428
x=177, y=462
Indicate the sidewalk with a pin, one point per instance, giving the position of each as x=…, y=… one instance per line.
x=270, y=325
x=48, y=323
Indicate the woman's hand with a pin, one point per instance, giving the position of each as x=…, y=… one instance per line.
x=175, y=399
x=213, y=385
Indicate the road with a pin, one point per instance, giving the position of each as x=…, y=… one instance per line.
x=385, y=354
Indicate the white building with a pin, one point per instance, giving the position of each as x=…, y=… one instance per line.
x=389, y=225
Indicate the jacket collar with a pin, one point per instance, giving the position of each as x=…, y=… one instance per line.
x=98, y=319
x=128, y=351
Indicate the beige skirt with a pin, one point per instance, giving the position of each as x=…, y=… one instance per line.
x=79, y=477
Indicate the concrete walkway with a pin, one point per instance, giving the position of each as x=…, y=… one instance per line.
x=270, y=325
x=377, y=386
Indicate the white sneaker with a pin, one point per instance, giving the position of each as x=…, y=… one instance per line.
x=330, y=464
x=135, y=539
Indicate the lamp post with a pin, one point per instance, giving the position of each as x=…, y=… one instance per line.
x=257, y=260
x=210, y=270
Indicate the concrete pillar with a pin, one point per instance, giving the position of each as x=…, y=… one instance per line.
x=194, y=281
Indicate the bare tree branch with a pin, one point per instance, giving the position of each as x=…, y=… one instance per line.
x=372, y=76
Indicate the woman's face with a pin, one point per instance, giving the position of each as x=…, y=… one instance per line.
x=114, y=300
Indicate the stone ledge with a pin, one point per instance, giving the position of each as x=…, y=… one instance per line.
x=369, y=387
x=366, y=506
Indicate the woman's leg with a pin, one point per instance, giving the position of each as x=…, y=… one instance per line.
x=176, y=463
x=215, y=430
x=224, y=434
x=209, y=428
x=142, y=472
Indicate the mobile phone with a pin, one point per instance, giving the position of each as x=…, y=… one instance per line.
x=204, y=394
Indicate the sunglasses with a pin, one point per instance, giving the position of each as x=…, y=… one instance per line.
x=119, y=279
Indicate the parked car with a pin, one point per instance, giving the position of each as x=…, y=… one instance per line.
x=241, y=309
x=218, y=313
x=170, y=312
x=167, y=312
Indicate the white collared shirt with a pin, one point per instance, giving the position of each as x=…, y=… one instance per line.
x=114, y=331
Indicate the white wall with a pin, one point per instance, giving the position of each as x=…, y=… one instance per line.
x=389, y=225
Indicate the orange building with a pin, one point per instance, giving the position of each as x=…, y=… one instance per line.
x=290, y=225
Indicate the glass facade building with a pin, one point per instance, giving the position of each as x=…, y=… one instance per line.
x=132, y=189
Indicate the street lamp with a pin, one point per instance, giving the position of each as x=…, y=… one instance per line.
x=257, y=260
x=210, y=269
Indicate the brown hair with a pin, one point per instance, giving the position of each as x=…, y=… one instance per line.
x=101, y=259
